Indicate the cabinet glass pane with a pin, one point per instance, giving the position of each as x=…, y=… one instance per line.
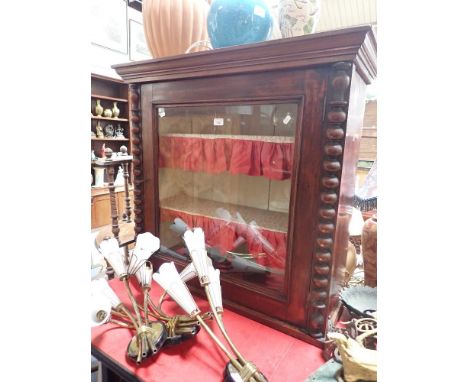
x=227, y=169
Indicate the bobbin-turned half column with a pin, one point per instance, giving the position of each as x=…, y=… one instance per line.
x=135, y=128
x=333, y=141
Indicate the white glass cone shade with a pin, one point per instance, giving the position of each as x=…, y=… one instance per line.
x=145, y=275
x=195, y=242
x=356, y=224
x=100, y=287
x=214, y=288
x=100, y=309
x=168, y=278
x=147, y=243
x=188, y=273
x=113, y=254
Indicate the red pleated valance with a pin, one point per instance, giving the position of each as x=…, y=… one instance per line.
x=266, y=158
x=267, y=247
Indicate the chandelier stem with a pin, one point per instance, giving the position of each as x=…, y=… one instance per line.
x=218, y=342
x=242, y=361
x=132, y=299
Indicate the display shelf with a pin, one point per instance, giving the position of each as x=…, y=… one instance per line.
x=109, y=139
x=270, y=220
x=110, y=119
x=96, y=96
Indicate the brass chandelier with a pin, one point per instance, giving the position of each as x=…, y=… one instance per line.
x=153, y=327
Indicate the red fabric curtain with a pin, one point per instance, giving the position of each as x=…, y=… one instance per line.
x=238, y=156
x=267, y=247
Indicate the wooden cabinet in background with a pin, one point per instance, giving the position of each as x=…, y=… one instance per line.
x=101, y=206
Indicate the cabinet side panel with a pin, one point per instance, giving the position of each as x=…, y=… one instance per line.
x=348, y=180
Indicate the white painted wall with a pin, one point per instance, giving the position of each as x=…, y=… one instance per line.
x=102, y=58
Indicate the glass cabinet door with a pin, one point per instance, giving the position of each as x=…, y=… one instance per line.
x=228, y=169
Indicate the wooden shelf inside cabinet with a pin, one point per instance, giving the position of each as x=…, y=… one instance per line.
x=96, y=96
x=110, y=119
x=270, y=220
x=110, y=139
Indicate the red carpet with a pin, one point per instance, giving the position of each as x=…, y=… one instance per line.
x=280, y=357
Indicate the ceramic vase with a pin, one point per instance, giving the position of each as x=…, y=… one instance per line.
x=171, y=27
x=115, y=111
x=108, y=113
x=236, y=22
x=369, y=251
x=99, y=109
x=99, y=131
x=298, y=17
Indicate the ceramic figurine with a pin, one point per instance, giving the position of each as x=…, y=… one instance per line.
x=119, y=179
x=359, y=363
x=119, y=131
x=115, y=111
x=99, y=109
x=109, y=129
x=108, y=113
x=298, y=17
x=99, y=131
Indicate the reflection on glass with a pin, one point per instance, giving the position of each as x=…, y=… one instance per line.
x=227, y=169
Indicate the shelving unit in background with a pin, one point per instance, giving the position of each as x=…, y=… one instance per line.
x=108, y=90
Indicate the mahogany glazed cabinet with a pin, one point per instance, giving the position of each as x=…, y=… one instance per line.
x=258, y=145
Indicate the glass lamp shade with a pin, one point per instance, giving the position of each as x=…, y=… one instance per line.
x=214, y=288
x=113, y=254
x=147, y=243
x=100, y=310
x=195, y=242
x=100, y=287
x=188, y=273
x=145, y=275
x=168, y=278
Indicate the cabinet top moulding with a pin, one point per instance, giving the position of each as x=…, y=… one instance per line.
x=110, y=119
x=109, y=139
x=97, y=96
x=357, y=45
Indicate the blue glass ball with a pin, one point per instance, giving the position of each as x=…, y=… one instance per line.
x=236, y=22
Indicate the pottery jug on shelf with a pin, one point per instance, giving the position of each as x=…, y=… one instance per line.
x=98, y=109
x=115, y=111
x=108, y=113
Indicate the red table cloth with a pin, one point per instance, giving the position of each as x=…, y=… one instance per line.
x=272, y=160
x=280, y=357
